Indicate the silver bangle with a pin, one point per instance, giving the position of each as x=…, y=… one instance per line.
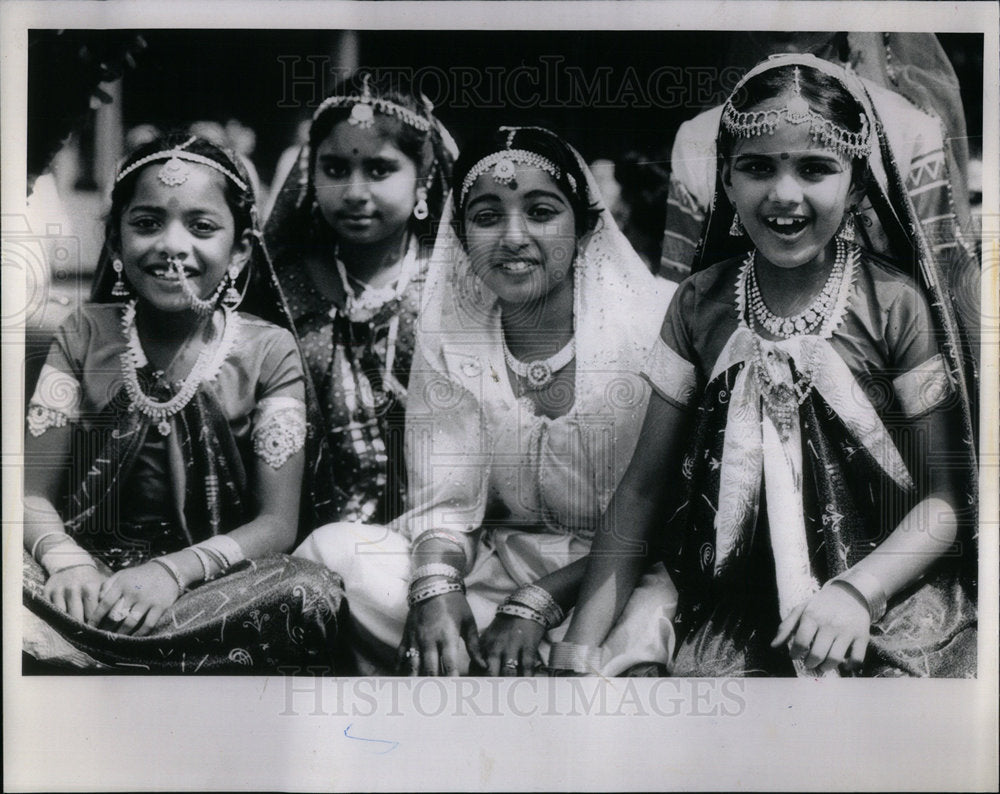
x=225, y=547
x=435, y=569
x=63, y=537
x=520, y=611
x=440, y=534
x=170, y=567
x=540, y=600
x=868, y=587
x=578, y=658
x=433, y=590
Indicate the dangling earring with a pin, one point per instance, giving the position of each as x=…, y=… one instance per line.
x=420, y=209
x=120, y=289
x=736, y=229
x=232, y=297
x=847, y=230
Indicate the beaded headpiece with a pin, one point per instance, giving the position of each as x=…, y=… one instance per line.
x=504, y=164
x=364, y=105
x=797, y=109
x=174, y=172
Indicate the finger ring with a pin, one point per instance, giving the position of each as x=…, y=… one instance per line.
x=511, y=664
x=118, y=613
x=412, y=653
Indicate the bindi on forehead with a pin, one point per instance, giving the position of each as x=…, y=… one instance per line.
x=784, y=155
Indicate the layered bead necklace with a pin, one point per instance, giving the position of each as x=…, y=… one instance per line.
x=783, y=398
x=208, y=361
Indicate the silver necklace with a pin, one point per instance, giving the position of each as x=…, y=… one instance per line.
x=810, y=318
x=539, y=373
x=208, y=361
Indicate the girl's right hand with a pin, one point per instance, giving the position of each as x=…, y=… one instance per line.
x=434, y=628
x=75, y=590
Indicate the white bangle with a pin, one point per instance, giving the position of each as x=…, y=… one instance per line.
x=225, y=548
x=514, y=610
x=60, y=558
x=63, y=538
x=436, y=569
x=173, y=570
x=869, y=588
x=578, y=658
x=436, y=533
x=433, y=590
x=541, y=601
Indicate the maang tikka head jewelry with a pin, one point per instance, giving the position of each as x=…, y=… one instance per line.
x=364, y=105
x=504, y=164
x=175, y=171
x=795, y=111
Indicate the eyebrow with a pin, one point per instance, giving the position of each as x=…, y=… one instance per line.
x=531, y=194
x=154, y=208
x=806, y=155
x=379, y=158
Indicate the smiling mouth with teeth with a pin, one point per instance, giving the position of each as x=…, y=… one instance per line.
x=518, y=266
x=786, y=225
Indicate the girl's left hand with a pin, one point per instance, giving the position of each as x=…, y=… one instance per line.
x=829, y=630
x=510, y=645
x=133, y=600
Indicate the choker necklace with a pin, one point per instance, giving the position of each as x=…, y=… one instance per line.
x=208, y=362
x=809, y=319
x=539, y=373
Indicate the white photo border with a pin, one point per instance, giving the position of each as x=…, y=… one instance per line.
x=148, y=733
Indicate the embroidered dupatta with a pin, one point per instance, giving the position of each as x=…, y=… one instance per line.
x=767, y=519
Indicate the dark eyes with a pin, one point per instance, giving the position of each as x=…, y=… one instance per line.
x=150, y=224
x=809, y=169
x=539, y=213
x=378, y=169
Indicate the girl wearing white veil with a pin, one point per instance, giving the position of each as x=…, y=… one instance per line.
x=524, y=410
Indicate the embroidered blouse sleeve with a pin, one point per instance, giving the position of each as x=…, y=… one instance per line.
x=58, y=393
x=668, y=368
x=279, y=426
x=921, y=381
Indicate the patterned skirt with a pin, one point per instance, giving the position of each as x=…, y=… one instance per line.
x=274, y=614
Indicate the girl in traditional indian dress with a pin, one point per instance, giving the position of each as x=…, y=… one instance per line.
x=351, y=234
x=827, y=524
x=165, y=445
x=524, y=409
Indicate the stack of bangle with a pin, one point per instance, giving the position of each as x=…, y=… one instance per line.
x=533, y=603
x=216, y=555
x=436, y=588
x=445, y=578
x=865, y=587
x=577, y=658
x=219, y=550
x=59, y=556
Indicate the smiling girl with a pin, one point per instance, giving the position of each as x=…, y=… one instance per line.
x=351, y=234
x=814, y=536
x=524, y=410
x=164, y=452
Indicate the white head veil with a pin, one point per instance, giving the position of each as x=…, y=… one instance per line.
x=618, y=309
